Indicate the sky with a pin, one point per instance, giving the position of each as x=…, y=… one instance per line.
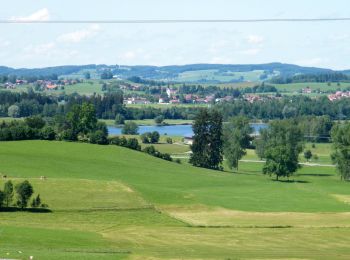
x=319, y=44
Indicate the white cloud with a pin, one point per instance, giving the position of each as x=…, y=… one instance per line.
x=255, y=39
x=79, y=35
x=251, y=52
x=40, y=15
x=312, y=62
x=41, y=49
x=129, y=55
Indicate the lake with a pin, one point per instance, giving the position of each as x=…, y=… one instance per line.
x=174, y=130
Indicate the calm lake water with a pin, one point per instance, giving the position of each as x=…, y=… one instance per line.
x=176, y=130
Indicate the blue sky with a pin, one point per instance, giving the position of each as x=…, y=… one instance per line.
x=325, y=44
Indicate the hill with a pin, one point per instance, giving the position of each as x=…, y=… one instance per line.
x=109, y=202
x=200, y=73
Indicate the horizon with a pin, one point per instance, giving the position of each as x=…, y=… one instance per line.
x=170, y=65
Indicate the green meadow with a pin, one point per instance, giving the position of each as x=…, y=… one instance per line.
x=109, y=202
x=295, y=87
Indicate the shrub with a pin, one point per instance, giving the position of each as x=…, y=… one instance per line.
x=35, y=122
x=68, y=135
x=48, y=133
x=130, y=128
x=159, y=120
x=119, y=119
x=98, y=137
x=150, y=137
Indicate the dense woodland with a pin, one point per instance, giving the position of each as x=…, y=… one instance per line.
x=109, y=105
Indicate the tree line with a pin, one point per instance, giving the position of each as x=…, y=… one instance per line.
x=279, y=145
x=19, y=195
x=306, y=78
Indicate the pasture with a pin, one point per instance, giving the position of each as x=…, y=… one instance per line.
x=217, y=75
x=109, y=202
x=297, y=87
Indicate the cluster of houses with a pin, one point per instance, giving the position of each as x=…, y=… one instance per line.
x=339, y=95
x=44, y=84
x=252, y=98
x=10, y=85
x=136, y=101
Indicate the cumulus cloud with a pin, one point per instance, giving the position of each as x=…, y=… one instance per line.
x=79, y=35
x=255, y=39
x=40, y=15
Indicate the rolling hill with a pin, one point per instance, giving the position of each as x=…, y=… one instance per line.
x=201, y=73
x=109, y=202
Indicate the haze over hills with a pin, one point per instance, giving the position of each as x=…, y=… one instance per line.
x=210, y=73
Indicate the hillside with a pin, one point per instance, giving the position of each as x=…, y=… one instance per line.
x=113, y=203
x=200, y=73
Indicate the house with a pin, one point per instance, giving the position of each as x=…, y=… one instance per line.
x=209, y=99
x=339, y=95
x=136, y=101
x=307, y=90
x=200, y=101
x=171, y=92
x=252, y=98
x=174, y=101
x=51, y=86
x=188, y=139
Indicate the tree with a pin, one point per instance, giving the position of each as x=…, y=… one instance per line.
x=35, y=122
x=159, y=120
x=13, y=111
x=81, y=120
x=24, y=191
x=207, y=141
x=133, y=143
x=88, y=119
x=87, y=75
x=98, y=137
x=8, y=193
x=2, y=197
x=261, y=143
x=130, y=128
x=48, y=133
x=150, y=137
x=237, y=139
x=154, y=137
x=169, y=140
x=119, y=119
x=341, y=145
x=107, y=75
x=307, y=155
x=36, y=202
x=283, y=146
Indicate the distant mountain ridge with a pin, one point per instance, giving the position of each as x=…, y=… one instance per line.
x=180, y=73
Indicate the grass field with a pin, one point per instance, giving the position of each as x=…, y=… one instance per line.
x=295, y=87
x=109, y=202
x=152, y=122
x=216, y=75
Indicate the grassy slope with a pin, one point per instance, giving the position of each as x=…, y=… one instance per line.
x=168, y=183
x=119, y=219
